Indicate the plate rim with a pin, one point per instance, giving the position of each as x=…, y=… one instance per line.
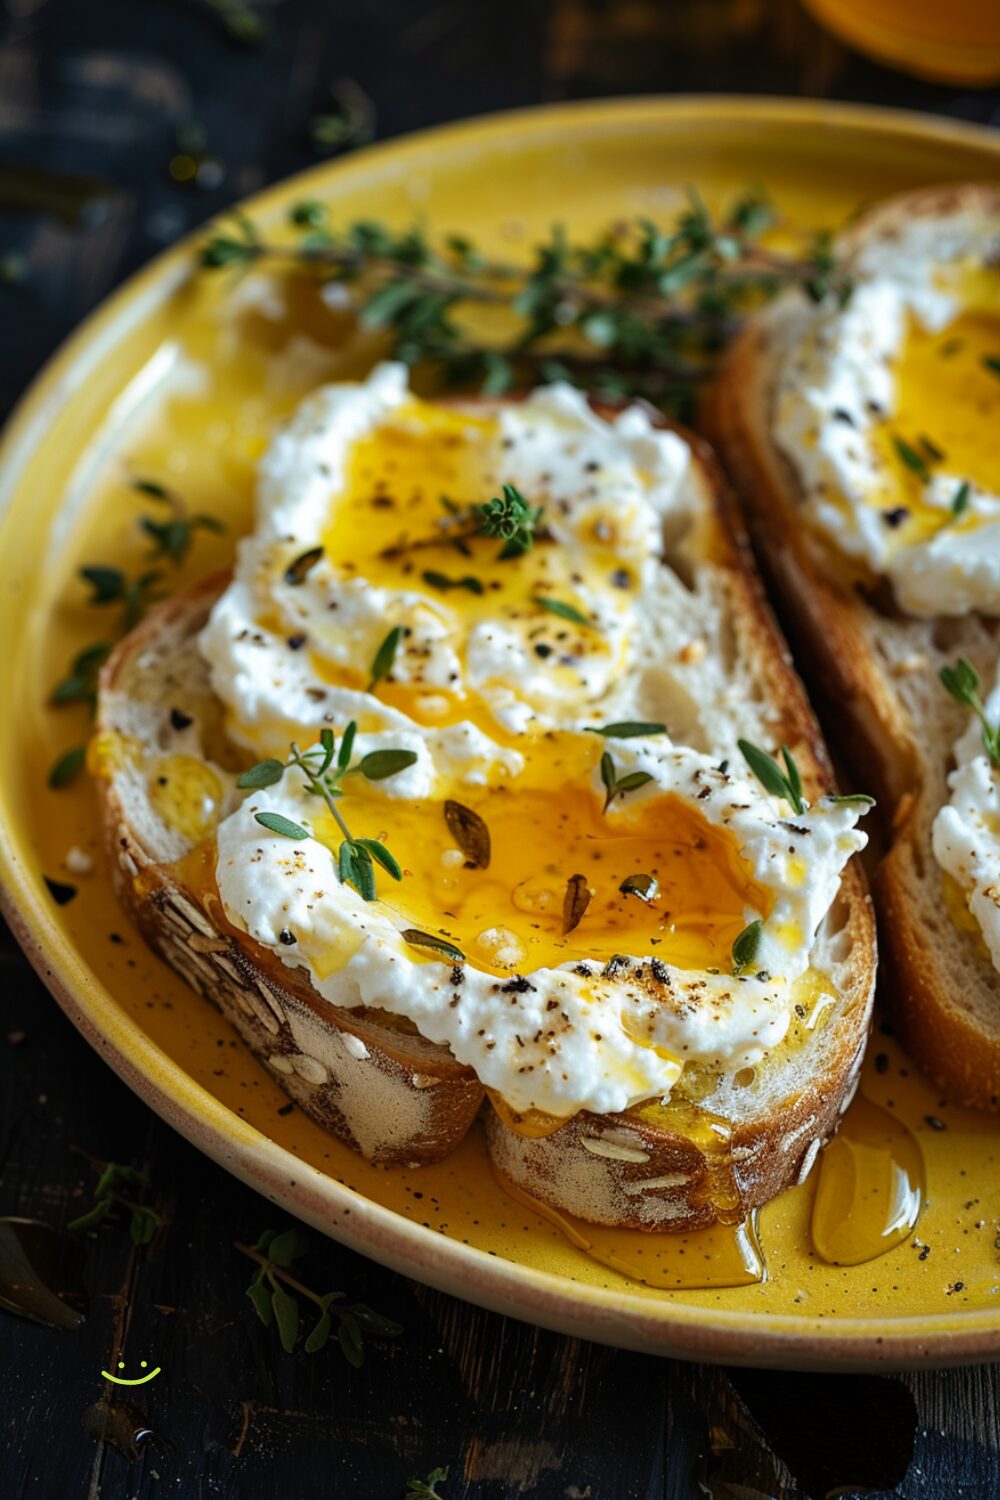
x=621, y=1318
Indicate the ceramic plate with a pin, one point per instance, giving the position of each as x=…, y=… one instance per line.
x=181, y=377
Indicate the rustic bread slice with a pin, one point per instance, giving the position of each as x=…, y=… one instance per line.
x=752, y=1133
x=396, y=1097
x=874, y=672
x=372, y=1082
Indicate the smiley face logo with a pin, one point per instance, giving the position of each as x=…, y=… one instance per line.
x=139, y=1380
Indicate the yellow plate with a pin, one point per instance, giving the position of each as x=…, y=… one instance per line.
x=124, y=397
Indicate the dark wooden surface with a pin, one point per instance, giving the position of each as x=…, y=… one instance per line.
x=92, y=95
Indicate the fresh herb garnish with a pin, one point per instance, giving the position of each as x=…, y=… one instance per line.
x=960, y=500
x=113, y=586
x=67, y=766
x=275, y=823
x=962, y=682
x=240, y=19
x=617, y=786
x=80, y=683
x=627, y=729
x=510, y=517
x=356, y=858
x=426, y=1489
x=348, y=120
x=470, y=833
x=274, y=1253
x=564, y=611
x=173, y=537
x=143, y=1220
x=441, y=581
x=787, y=783
x=385, y=656
x=991, y=362
x=913, y=460
x=299, y=568
x=110, y=585
x=418, y=939
x=641, y=309
x=746, y=947
x=575, y=902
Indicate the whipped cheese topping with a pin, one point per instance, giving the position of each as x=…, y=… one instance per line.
x=888, y=409
x=497, y=696
x=967, y=829
x=581, y=1034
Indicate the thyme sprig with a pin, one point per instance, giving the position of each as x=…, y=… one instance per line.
x=274, y=1253
x=324, y=768
x=616, y=786
x=143, y=1220
x=788, y=783
x=962, y=682
x=426, y=1489
x=509, y=517
x=172, y=538
x=642, y=309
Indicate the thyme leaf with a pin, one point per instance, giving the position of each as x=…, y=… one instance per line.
x=323, y=768
x=615, y=785
x=772, y=778
x=746, y=947
x=563, y=610
x=418, y=939
x=271, y=1294
x=426, y=1489
x=119, y=1185
x=385, y=657
x=962, y=682
x=627, y=729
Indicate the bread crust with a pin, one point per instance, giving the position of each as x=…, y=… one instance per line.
x=431, y=1098
x=857, y=651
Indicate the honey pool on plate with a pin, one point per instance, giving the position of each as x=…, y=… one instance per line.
x=210, y=378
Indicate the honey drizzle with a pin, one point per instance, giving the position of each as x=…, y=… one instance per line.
x=723, y=1255
x=871, y=1187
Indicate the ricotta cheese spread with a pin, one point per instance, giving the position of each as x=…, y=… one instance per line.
x=888, y=410
x=966, y=833
x=578, y=701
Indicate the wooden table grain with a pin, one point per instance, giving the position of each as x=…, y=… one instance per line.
x=96, y=97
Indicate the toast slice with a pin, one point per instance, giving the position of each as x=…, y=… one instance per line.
x=365, y=1076
x=728, y=1145
x=874, y=671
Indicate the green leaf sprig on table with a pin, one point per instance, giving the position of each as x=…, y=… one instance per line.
x=324, y=769
x=426, y=1489
x=642, y=309
x=171, y=537
x=271, y=1290
x=109, y=1194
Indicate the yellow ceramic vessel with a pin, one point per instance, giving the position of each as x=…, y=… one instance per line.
x=181, y=378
